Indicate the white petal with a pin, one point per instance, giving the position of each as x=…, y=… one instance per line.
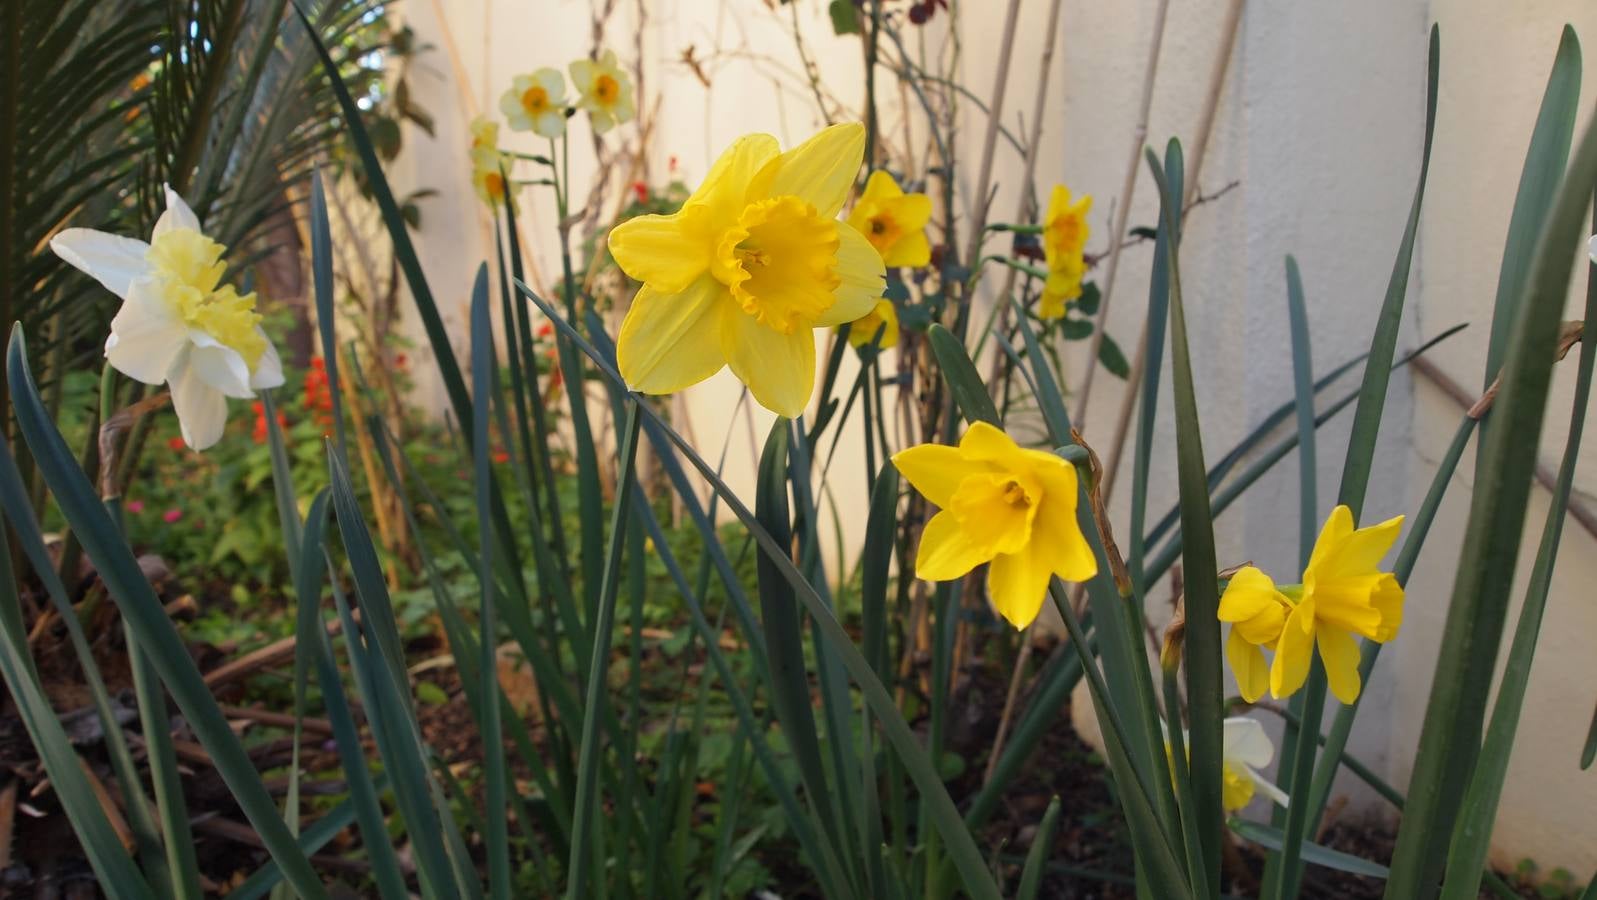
x=1265, y=785
x=1591, y=248
x=113, y=260
x=1244, y=741
x=177, y=215
x=550, y=124
x=146, y=338
x=269, y=368
x=201, y=409
x=219, y=366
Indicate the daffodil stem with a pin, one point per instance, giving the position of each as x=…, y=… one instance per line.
x=1298, y=814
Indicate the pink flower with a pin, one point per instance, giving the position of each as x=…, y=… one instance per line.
x=135, y=506
x=172, y=515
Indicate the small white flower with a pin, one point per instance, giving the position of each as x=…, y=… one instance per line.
x=1591, y=248
x=603, y=90
x=176, y=325
x=536, y=103
x=1244, y=749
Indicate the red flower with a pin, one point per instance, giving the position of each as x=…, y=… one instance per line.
x=399, y=360
x=175, y=443
x=172, y=515
x=546, y=329
x=642, y=190
x=501, y=457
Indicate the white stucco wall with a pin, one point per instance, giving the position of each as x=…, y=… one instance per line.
x=1320, y=120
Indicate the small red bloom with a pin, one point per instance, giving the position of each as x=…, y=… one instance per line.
x=175, y=443
x=546, y=329
x=172, y=515
x=501, y=457
x=642, y=190
x=135, y=506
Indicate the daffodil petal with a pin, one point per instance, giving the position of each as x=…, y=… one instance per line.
x=219, y=366
x=988, y=443
x=269, y=368
x=201, y=409
x=670, y=341
x=177, y=215
x=581, y=74
x=1266, y=785
x=1387, y=599
x=1017, y=583
x=1361, y=551
x=881, y=185
x=1247, y=663
x=1243, y=740
x=860, y=273
x=1340, y=653
x=778, y=368
x=146, y=338
x=1293, y=653
x=1056, y=531
x=550, y=124
x=724, y=188
x=911, y=252
x=936, y=470
x=114, y=261
x=945, y=553
x=659, y=251
x=1338, y=525
x=819, y=171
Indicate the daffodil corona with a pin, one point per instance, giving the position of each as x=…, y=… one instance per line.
x=177, y=324
x=1002, y=504
x=893, y=221
x=1064, y=240
x=742, y=275
x=1344, y=593
x=603, y=90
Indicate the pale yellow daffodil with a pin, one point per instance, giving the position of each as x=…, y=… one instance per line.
x=488, y=178
x=883, y=317
x=604, y=90
x=178, y=325
x=893, y=221
x=741, y=276
x=484, y=133
x=1344, y=593
x=1001, y=504
x=536, y=103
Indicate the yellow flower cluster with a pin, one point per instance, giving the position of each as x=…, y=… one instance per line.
x=1064, y=239
x=1344, y=593
x=895, y=224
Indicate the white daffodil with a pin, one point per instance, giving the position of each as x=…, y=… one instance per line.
x=1244, y=749
x=484, y=133
x=176, y=325
x=536, y=103
x=603, y=90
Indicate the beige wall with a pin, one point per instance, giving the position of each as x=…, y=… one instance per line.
x=1320, y=121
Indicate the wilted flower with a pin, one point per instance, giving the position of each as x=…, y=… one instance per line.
x=1343, y=593
x=603, y=90
x=536, y=103
x=177, y=324
x=1064, y=239
x=893, y=221
x=883, y=317
x=742, y=274
x=1002, y=504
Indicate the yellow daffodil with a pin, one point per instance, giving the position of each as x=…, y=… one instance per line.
x=893, y=221
x=177, y=325
x=536, y=103
x=1064, y=239
x=1002, y=504
x=1343, y=593
x=1244, y=750
x=603, y=90
x=487, y=178
x=742, y=275
x=484, y=133
x=882, y=317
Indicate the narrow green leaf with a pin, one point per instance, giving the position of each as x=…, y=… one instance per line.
x=140, y=607
x=1450, y=740
x=1041, y=842
x=1273, y=839
x=960, y=373
x=1113, y=358
x=1153, y=365
x=1202, y=593
x=583, y=819
x=1472, y=836
x=326, y=315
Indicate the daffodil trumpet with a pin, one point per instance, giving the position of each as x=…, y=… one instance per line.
x=178, y=324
